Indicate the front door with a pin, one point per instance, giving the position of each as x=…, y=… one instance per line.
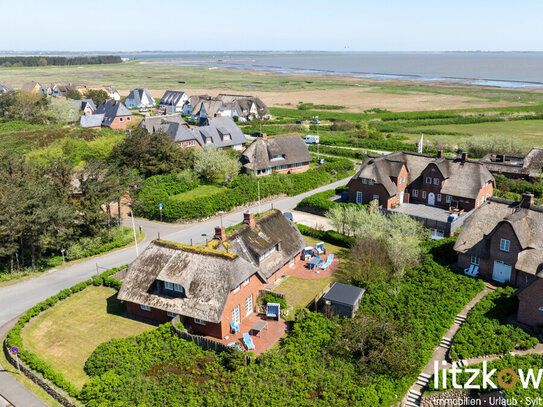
x=359, y=197
x=501, y=272
x=431, y=199
x=236, y=316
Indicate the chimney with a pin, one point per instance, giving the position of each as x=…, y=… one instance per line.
x=249, y=219
x=527, y=200
x=500, y=158
x=440, y=153
x=264, y=136
x=220, y=234
x=464, y=157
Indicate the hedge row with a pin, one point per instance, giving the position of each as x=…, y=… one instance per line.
x=505, y=184
x=242, y=190
x=328, y=236
x=14, y=336
x=320, y=202
x=343, y=152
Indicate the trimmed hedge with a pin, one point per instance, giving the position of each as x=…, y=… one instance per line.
x=14, y=336
x=242, y=190
x=329, y=236
x=321, y=202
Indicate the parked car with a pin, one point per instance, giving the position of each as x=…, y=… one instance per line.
x=256, y=134
x=299, y=122
x=316, y=121
x=311, y=139
x=143, y=109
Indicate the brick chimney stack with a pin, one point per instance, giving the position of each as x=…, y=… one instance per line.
x=249, y=219
x=527, y=200
x=464, y=157
x=440, y=153
x=220, y=234
x=264, y=136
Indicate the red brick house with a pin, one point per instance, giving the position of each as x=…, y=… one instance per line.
x=211, y=287
x=504, y=240
x=528, y=167
x=403, y=177
x=109, y=114
x=284, y=154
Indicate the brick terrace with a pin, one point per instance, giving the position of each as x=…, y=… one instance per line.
x=267, y=337
x=301, y=270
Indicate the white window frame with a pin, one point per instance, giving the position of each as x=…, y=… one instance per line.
x=168, y=285
x=128, y=119
x=436, y=181
x=145, y=307
x=475, y=260
x=370, y=181
x=249, y=310
x=448, y=199
x=364, y=180
x=245, y=282
x=121, y=119
x=234, y=314
x=428, y=180
x=505, y=245
x=439, y=197
x=292, y=262
x=178, y=288
x=423, y=194
x=416, y=193
x=171, y=314
x=235, y=290
x=359, y=194
x=375, y=197
x=199, y=321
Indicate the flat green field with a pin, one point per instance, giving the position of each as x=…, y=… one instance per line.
x=198, y=192
x=529, y=131
x=66, y=334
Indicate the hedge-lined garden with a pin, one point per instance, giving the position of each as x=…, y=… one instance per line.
x=321, y=203
x=242, y=190
x=14, y=336
x=368, y=361
x=485, y=331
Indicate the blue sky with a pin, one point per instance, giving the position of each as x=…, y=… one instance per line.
x=364, y=25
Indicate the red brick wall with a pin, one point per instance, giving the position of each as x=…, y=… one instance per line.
x=505, y=231
x=368, y=191
x=487, y=190
x=238, y=298
x=485, y=266
x=117, y=124
x=184, y=144
x=530, y=299
x=295, y=170
x=154, y=314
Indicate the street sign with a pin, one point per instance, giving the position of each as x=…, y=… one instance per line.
x=160, y=205
x=15, y=350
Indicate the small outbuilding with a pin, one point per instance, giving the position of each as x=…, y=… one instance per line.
x=343, y=300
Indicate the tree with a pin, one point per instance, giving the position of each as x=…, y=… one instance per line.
x=62, y=111
x=27, y=106
x=98, y=96
x=213, y=163
x=73, y=94
x=150, y=154
x=42, y=62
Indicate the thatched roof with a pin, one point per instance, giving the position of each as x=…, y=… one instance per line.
x=208, y=276
x=275, y=151
x=478, y=229
x=272, y=228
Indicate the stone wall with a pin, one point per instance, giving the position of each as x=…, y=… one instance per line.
x=51, y=389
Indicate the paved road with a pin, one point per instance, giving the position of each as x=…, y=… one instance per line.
x=17, y=298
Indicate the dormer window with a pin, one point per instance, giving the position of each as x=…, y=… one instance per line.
x=226, y=137
x=278, y=157
x=267, y=253
x=208, y=140
x=177, y=288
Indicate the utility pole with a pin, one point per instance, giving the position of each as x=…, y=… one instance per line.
x=134, y=229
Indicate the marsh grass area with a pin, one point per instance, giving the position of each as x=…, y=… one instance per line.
x=65, y=335
x=198, y=192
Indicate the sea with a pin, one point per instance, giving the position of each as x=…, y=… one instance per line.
x=497, y=69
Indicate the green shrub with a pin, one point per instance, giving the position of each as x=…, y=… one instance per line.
x=243, y=189
x=329, y=236
x=270, y=298
x=485, y=331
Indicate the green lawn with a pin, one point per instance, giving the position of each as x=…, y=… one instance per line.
x=530, y=131
x=299, y=291
x=66, y=334
x=198, y=192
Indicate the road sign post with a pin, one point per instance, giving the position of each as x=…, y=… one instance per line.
x=15, y=351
